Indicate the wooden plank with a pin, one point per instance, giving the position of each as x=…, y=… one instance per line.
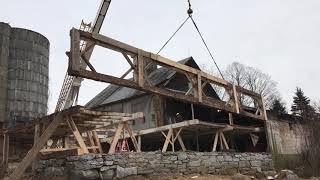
x=77, y=135
x=31, y=155
x=116, y=138
x=166, y=142
x=97, y=141
x=215, y=142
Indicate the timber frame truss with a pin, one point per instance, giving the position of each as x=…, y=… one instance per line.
x=139, y=61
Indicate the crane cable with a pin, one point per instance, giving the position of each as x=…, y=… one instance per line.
x=190, y=11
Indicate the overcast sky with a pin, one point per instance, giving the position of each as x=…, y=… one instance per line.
x=280, y=37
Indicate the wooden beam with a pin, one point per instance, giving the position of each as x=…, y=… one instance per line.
x=32, y=154
x=213, y=103
x=77, y=135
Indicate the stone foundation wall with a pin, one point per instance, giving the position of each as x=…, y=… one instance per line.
x=97, y=166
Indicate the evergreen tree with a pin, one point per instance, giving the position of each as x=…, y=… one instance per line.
x=301, y=104
x=278, y=107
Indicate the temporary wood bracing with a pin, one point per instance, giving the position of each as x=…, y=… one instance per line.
x=139, y=60
x=73, y=121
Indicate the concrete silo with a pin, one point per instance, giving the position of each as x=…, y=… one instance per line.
x=27, y=76
x=5, y=30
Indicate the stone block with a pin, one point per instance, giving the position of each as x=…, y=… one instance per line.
x=255, y=163
x=124, y=172
x=108, y=163
x=108, y=174
x=84, y=174
x=194, y=163
x=54, y=171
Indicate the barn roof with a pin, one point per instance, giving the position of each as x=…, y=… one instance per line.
x=114, y=93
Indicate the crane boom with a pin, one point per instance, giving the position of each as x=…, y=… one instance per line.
x=71, y=85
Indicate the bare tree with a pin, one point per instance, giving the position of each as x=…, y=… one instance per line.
x=316, y=105
x=249, y=78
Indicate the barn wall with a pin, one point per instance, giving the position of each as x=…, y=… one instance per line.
x=140, y=104
x=286, y=141
x=285, y=137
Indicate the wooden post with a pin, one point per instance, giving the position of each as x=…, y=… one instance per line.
x=139, y=142
x=92, y=143
x=199, y=87
x=67, y=142
x=214, y=148
x=97, y=141
x=220, y=140
x=265, y=116
x=224, y=140
x=116, y=139
x=37, y=133
x=32, y=154
x=75, y=49
x=140, y=69
x=181, y=143
x=230, y=119
x=166, y=143
x=133, y=138
x=192, y=111
x=197, y=139
x=236, y=99
x=172, y=140
x=77, y=135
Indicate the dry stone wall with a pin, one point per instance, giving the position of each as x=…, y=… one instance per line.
x=97, y=166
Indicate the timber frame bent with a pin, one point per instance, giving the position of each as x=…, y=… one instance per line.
x=139, y=61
